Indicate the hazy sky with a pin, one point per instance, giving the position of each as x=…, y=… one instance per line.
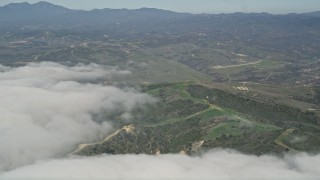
x=193, y=6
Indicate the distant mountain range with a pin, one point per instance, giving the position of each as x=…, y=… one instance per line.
x=31, y=12
x=44, y=15
x=47, y=15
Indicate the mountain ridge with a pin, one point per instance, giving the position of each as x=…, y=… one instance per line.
x=46, y=4
x=47, y=16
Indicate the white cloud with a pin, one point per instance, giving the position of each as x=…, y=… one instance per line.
x=219, y=164
x=46, y=109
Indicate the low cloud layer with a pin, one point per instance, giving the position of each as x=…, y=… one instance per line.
x=219, y=164
x=46, y=109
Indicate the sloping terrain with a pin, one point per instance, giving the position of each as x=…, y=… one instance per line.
x=190, y=118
